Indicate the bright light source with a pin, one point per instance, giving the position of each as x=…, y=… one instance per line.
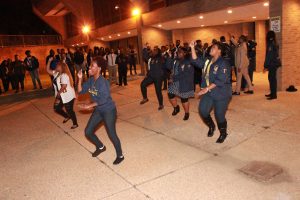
x=119, y=35
x=102, y=38
x=72, y=45
x=229, y=11
x=201, y=17
x=77, y=44
x=159, y=25
x=225, y=22
x=266, y=4
x=128, y=33
x=254, y=17
x=82, y=43
x=136, y=12
x=86, y=29
x=109, y=36
x=117, y=7
x=202, y=25
x=178, y=22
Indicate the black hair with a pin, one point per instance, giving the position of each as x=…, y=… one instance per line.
x=220, y=47
x=244, y=38
x=271, y=36
x=222, y=39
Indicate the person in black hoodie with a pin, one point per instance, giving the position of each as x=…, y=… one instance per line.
x=156, y=64
x=122, y=61
x=272, y=63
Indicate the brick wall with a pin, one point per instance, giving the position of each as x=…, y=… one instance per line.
x=40, y=52
x=290, y=42
x=156, y=36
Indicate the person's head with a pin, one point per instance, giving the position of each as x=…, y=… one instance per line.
x=271, y=36
x=28, y=53
x=199, y=42
x=177, y=42
x=62, y=51
x=242, y=39
x=58, y=51
x=205, y=46
x=156, y=52
x=214, y=41
x=216, y=50
x=52, y=53
x=182, y=53
x=62, y=67
x=222, y=39
x=16, y=57
x=95, y=67
x=112, y=51
x=163, y=49
x=63, y=56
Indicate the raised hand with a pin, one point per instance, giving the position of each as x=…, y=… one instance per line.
x=79, y=74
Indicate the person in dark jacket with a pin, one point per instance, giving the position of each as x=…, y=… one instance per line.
x=19, y=71
x=104, y=110
x=181, y=83
x=122, y=61
x=155, y=74
x=272, y=63
x=4, y=75
x=11, y=74
x=167, y=72
x=79, y=60
x=132, y=60
x=198, y=71
x=32, y=66
x=216, y=90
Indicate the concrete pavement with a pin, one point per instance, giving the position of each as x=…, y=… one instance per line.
x=165, y=157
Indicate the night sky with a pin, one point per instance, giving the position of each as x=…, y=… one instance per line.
x=17, y=18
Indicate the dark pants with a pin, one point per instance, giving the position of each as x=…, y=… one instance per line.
x=12, y=81
x=109, y=119
x=72, y=71
x=132, y=64
x=19, y=80
x=5, y=83
x=206, y=105
x=69, y=108
x=103, y=71
x=272, y=76
x=122, y=71
x=34, y=74
x=157, y=84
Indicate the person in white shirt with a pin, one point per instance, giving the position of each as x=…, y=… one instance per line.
x=64, y=91
x=112, y=67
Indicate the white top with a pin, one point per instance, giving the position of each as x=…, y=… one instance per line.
x=69, y=94
x=111, y=59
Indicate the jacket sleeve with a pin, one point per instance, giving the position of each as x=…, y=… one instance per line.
x=199, y=62
x=104, y=92
x=222, y=74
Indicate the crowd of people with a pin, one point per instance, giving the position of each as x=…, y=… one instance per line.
x=176, y=68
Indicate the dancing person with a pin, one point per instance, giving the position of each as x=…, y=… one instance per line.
x=155, y=75
x=32, y=66
x=122, y=61
x=242, y=64
x=216, y=90
x=104, y=109
x=64, y=91
x=181, y=83
x=272, y=63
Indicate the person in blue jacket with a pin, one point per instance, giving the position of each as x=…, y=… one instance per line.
x=215, y=90
x=181, y=83
x=104, y=109
x=272, y=63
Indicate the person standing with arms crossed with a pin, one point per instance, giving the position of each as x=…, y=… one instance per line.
x=104, y=110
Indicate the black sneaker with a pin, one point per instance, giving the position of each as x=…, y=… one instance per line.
x=98, y=151
x=236, y=93
x=186, y=116
x=74, y=126
x=144, y=101
x=66, y=120
x=118, y=160
x=268, y=95
x=249, y=92
x=160, y=107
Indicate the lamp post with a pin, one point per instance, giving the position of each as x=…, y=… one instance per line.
x=136, y=12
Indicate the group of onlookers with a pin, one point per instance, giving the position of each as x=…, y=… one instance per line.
x=12, y=73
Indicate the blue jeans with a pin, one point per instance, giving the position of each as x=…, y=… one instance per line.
x=34, y=74
x=207, y=103
x=109, y=119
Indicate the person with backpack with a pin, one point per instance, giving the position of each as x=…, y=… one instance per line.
x=32, y=66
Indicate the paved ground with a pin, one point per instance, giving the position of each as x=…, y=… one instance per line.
x=166, y=158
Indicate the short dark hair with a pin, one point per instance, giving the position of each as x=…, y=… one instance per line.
x=222, y=38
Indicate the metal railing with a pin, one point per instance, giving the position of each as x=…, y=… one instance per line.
x=29, y=40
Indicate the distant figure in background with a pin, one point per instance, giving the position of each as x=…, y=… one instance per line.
x=198, y=71
x=4, y=75
x=122, y=61
x=272, y=63
x=167, y=71
x=146, y=54
x=51, y=55
x=112, y=67
x=11, y=74
x=19, y=71
x=78, y=59
x=132, y=60
x=32, y=66
x=89, y=59
x=58, y=55
x=242, y=64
